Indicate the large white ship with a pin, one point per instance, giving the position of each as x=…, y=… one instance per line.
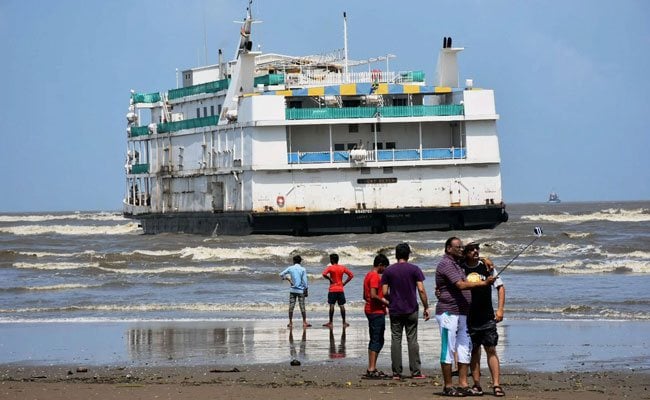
x=277, y=144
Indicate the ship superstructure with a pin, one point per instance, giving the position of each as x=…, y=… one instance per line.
x=276, y=144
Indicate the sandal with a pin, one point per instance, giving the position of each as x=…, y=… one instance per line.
x=471, y=391
x=452, y=392
x=374, y=375
x=498, y=391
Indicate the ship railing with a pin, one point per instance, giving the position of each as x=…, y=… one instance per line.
x=323, y=78
x=363, y=156
x=373, y=112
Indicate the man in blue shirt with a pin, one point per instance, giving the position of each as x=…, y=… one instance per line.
x=297, y=277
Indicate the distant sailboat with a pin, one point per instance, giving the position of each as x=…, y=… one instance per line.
x=553, y=198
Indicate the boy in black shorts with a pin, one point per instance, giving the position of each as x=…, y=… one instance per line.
x=482, y=320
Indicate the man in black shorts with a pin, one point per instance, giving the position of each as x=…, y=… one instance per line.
x=482, y=320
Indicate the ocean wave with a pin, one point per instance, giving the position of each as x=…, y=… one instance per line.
x=577, y=235
x=611, y=214
x=24, y=230
x=77, y=216
x=64, y=286
x=586, y=267
x=60, y=266
x=179, y=270
x=580, y=312
x=42, y=254
x=253, y=307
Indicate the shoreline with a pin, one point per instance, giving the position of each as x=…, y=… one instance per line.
x=528, y=345
x=572, y=360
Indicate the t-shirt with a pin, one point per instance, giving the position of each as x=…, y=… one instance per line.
x=402, y=278
x=452, y=299
x=298, y=277
x=481, y=310
x=373, y=306
x=336, y=272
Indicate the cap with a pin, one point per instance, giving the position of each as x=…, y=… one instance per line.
x=471, y=245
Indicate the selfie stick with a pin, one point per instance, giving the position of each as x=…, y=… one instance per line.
x=538, y=234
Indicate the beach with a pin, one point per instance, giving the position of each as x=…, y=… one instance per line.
x=251, y=359
x=304, y=382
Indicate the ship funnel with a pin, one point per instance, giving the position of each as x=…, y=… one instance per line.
x=447, y=70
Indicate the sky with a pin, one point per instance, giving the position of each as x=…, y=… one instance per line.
x=570, y=79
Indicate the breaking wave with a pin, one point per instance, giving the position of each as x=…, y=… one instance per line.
x=76, y=216
x=611, y=214
x=123, y=229
x=133, y=271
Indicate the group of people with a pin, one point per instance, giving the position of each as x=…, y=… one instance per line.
x=464, y=311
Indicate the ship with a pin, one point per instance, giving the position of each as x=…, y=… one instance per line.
x=323, y=144
x=554, y=198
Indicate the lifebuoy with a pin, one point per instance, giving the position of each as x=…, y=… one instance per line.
x=376, y=75
x=280, y=201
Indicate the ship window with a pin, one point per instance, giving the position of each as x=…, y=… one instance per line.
x=399, y=102
x=376, y=127
x=390, y=145
x=351, y=103
x=353, y=128
x=211, y=110
x=380, y=146
x=339, y=147
x=295, y=104
x=205, y=111
x=388, y=170
x=198, y=112
x=352, y=146
x=219, y=109
x=365, y=171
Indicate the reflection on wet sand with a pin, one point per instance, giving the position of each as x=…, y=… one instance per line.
x=303, y=346
x=337, y=352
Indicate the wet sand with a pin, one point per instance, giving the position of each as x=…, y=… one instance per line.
x=283, y=382
x=250, y=359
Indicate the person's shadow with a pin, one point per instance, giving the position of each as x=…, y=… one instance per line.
x=334, y=351
x=297, y=356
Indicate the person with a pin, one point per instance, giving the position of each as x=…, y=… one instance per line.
x=451, y=313
x=334, y=274
x=482, y=319
x=375, y=310
x=297, y=277
x=400, y=282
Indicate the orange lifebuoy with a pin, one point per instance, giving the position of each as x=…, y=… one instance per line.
x=280, y=201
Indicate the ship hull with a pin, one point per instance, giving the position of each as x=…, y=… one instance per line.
x=326, y=222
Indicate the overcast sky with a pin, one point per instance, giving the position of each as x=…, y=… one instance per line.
x=571, y=82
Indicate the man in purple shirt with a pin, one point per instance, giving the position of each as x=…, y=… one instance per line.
x=400, y=282
x=451, y=313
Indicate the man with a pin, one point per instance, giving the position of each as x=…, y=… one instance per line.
x=297, y=277
x=400, y=282
x=482, y=320
x=334, y=274
x=451, y=313
x=375, y=310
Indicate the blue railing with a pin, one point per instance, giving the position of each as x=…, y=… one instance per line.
x=372, y=112
x=319, y=157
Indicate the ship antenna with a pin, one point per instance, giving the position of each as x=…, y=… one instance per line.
x=345, y=43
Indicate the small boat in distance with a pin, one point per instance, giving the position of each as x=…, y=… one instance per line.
x=554, y=198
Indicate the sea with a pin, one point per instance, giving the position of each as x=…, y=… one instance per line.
x=592, y=263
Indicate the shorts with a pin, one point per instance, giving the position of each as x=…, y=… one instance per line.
x=376, y=328
x=485, y=335
x=292, y=301
x=454, y=338
x=336, y=297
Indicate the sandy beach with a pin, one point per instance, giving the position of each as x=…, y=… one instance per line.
x=250, y=359
x=284, y=381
